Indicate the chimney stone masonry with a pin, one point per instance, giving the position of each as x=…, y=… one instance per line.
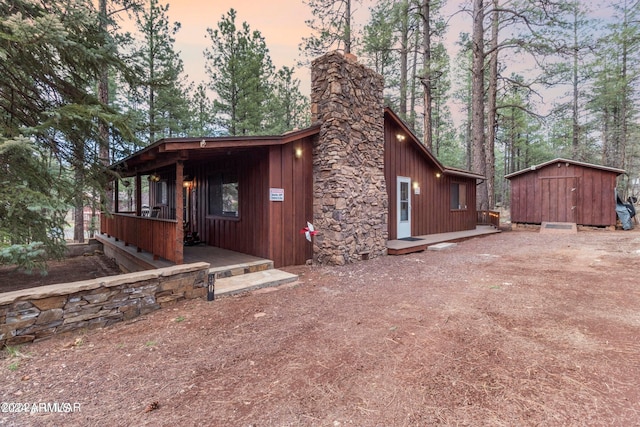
x=350, y=196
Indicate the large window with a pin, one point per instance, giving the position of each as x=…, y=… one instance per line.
x=458, y=196
x=223, y=194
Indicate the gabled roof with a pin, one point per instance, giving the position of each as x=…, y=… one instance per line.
x=567, y=161
x=425, y=152
x=169, y=150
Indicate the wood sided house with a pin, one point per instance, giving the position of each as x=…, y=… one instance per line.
x=564, y=190
x=358, y=174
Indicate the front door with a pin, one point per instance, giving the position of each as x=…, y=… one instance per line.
x=404, y=207
x=560, y=199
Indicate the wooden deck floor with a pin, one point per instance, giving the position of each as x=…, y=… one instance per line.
x=216, y=257
x=400, y=247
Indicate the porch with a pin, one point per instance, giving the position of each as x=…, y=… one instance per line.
x=234, y=272
x=420, y=243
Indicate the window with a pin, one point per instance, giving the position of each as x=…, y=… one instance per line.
x=223, y=194
x=162, y=195
x=404, y=201
x=458, y=196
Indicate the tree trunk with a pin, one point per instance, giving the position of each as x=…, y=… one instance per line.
x=575, y=137
x=477, y=103
x=404, y=54
x=426, y=77
x=622, y=146
x=414, y=71
x=78, y=198
x=152, y=80
x=492, y=111
x=103, y=95
x=347, y=27
x=469, y=127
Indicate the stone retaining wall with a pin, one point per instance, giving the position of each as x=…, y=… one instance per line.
x=37, y=313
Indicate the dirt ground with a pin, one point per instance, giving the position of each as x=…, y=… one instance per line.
x=68, y=270
x=518, y=328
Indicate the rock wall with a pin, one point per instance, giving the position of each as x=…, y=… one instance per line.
x=350, y=197
x=37, y=313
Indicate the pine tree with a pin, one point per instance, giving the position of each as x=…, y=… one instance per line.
x=288, y=108
x=240, y=72
x=331, y=26
x=161, y=91
x=379, y=39
x=202, y=112
x=52, y=56
x=617, y=76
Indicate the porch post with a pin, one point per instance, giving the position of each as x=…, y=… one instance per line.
x=116, y=196
x=138, y=194
x=179, y=213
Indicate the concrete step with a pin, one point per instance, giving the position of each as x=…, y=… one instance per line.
x=240, y=269
x=251, y=281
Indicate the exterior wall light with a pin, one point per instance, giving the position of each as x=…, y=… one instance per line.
x=298, y=152
x=438, y=175
x=400, y=137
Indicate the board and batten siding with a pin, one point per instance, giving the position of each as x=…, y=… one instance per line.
x=247, y=232
x=263, y=228
x=295, y=176
x=564, y=192
x=431, y=211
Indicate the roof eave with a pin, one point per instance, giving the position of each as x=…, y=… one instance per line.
x=560, y=160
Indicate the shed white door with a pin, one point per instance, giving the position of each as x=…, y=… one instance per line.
x=404, y=207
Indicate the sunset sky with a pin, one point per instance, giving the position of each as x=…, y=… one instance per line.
x=282, y=23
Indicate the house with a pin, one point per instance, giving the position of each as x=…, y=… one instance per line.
x=562, y=190
x=358, y=174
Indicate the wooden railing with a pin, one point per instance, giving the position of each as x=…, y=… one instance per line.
x=489, y=218
x=153, y=235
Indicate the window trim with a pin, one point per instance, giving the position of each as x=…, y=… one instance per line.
x=461, y=189
x=220, y=175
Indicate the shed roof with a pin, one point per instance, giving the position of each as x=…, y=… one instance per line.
x=561, y=160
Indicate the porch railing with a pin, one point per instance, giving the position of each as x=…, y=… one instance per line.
x=153, y=235
x=489, y=218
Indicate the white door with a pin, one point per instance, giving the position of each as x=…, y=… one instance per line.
x=404, y=207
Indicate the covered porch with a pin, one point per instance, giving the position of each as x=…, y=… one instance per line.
x=248, y=195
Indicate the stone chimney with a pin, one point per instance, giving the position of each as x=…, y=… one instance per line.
x=350, y=196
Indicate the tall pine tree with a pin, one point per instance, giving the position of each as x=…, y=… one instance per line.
x=162, y=90
x=52, y=56
x=240, y=71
